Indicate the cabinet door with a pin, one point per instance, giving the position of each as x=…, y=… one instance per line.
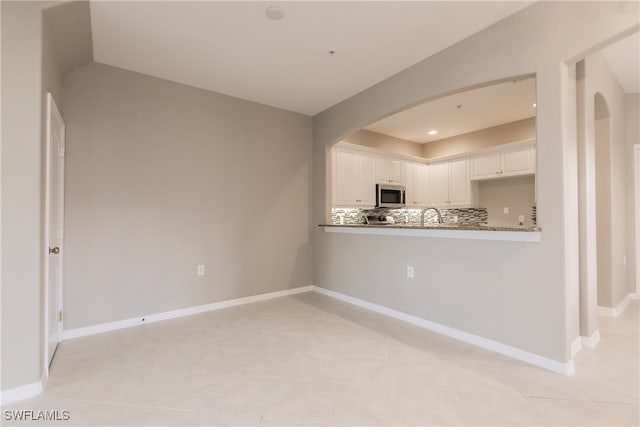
x=411, y=195
x=395, y=171
x=345, y=177
x=438, y=184
x=517, y=161
x=366, y=186
x=459, y=186
x=485, y=165
x=382, y=170
x=421, y=184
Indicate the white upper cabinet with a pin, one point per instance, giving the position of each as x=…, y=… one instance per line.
x=366, y=180
x=438, y=184
x=518, y=161
x=448, y=183
x=486, y=165
x=415, y=178
x=389, y=170
x=353, y=178
x=459, y=185
x=513, y=161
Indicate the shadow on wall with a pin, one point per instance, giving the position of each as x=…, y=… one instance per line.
x=602, y=135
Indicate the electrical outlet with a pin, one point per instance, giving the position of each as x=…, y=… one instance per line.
x=200, y=269
x=521, y=219
x=505, y=211
x=455, y=218
x=410, y=271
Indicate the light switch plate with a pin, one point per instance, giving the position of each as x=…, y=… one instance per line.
x=200, y=269
x=505, y=211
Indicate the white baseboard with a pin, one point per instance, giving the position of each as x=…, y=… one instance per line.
x=565, y=368
x=23, y=392
x=592, y=341
x=576, y=346
x=619, y=309
x=151, y=318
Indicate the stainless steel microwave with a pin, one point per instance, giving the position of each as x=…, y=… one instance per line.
x=390, y=196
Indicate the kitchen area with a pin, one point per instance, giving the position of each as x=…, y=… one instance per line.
x=462, y=166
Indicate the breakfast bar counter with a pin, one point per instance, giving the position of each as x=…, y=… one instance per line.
x=446, y=230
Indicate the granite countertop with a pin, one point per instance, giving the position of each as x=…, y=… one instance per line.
x=445, y=226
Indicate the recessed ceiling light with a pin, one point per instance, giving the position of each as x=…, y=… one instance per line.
x=433, y=132
x=275, y=12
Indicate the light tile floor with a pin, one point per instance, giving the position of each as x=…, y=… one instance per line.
x=311, y=360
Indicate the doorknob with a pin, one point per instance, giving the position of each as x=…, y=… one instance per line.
x=55, y=250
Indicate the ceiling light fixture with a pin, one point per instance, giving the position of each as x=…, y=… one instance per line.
x=275, y=13
x=433, y=132
x=534, y=105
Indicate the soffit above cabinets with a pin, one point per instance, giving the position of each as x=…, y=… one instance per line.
x=233, y=48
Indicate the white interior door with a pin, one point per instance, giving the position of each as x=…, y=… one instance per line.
x=54, y=227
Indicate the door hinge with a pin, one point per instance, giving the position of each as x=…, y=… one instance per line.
x=60, y=316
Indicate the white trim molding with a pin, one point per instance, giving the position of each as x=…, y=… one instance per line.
x=576, y=346
x=619, y=309
x=23, y=392
x=151, y=318
x=592, y=341
x=565, y=368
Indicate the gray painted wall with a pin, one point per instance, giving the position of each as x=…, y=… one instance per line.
x=35, y=56
x=161, y=177
x=516, y=193
x=523, y=295
x=613, y=283
x=22, y=106
x=632, y=137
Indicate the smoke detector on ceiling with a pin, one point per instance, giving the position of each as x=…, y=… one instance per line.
x=275, y=13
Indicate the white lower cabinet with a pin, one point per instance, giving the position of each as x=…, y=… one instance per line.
x=448, y=184
x=354, y=178
x=415, y=176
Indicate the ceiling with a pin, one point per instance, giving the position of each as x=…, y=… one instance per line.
x=479, y=109
x=233, y=48
x=508, y=102
x=624, y=59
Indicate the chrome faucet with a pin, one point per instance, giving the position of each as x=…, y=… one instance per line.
x=437, y=213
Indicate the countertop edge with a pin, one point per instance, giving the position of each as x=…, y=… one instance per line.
x=515, y=234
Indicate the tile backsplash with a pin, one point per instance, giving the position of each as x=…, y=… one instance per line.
x=411, y=216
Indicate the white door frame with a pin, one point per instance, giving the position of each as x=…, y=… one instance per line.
x=636, y=156
x=52, y=110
